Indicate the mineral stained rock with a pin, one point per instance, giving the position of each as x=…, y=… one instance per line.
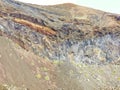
x=64, y=32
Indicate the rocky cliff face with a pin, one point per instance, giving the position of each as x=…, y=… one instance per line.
x=76, y=33
x=64, y=32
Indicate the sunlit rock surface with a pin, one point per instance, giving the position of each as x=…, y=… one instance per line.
x=76, y=35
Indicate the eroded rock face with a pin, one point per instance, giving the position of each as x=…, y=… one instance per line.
x=98, y=50
x=94, y=50
x=92, y=38
x=58, y=47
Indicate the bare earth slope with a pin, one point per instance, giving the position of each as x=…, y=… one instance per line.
x=60, y=47
x=16, y=67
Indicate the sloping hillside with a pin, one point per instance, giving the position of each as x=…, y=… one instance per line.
x=60, y=47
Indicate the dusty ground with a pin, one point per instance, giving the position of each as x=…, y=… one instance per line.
x=22, y=68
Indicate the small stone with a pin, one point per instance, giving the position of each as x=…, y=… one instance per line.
x=10, y=54
x=22, y=57
x=0, y=55
x=88, y=80
x=38, y=76
x=32, y=63
x=47, y=78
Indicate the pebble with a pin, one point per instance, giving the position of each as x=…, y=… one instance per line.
x=10, y=54
x=0, y=55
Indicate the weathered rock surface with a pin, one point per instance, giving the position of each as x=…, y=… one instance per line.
x=86, y=40
x=91, y=36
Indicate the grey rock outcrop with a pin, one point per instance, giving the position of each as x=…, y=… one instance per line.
x=91, y=37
